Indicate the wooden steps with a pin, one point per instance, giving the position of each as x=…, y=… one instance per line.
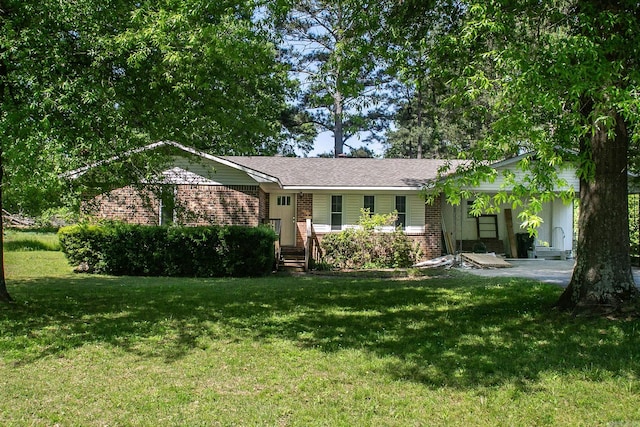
x=291, y=259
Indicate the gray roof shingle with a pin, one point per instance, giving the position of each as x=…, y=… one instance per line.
x=345, y=172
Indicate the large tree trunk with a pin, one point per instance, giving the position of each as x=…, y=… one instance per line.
x=338, y=132
x=602, y=277
x=4, y=294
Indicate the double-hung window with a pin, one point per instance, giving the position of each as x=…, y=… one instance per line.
x=336, y=212
x=401, y=208
x=370, y=204
x=167, y=205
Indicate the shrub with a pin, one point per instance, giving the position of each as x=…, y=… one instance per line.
x=82, y=244
x=368, y=246
x=214, y=251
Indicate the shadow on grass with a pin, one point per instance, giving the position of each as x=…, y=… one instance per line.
x=457, y=332
x=29, y=245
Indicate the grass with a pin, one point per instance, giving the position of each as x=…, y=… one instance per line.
x=17, y=240
x=305, y=351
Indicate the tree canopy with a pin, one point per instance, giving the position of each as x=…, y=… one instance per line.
x=86, y=80
x=563, y=79
x=330, y=48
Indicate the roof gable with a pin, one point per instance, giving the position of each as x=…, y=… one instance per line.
x=183, y=151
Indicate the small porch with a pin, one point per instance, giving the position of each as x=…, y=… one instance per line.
x=501, y=232
x=299, y=257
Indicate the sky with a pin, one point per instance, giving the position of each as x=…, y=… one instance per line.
x=324, y=144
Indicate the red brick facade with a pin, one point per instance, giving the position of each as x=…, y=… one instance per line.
x=216, y=204
x=431, y=240
x=195, y=205
x=128, y=204
x=304, y=210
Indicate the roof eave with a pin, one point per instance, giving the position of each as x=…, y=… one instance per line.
x=258, y=176
x=349, y=188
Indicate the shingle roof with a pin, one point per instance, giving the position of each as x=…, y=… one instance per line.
x=314, y=173
x=345, y=172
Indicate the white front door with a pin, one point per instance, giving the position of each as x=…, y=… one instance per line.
x=282, y=206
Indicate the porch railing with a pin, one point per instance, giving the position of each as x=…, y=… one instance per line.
x=312, y=249
x=276, y=224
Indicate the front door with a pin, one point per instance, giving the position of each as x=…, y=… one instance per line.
x=282, y=206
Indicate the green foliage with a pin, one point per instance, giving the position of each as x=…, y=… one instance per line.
x=339, y=73
x=82, y=244
x=122, y=249
x=563, y=79
x=368, y=246
x=634, y=226
x=427, y=123
x=375, y=222
x=81, y=82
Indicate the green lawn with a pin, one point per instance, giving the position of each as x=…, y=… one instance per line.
x=16, y=240
x=305, y=351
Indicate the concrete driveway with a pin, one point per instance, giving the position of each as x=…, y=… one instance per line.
x=548, y=271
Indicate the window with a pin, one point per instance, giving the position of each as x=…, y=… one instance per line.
x=369, y=203
x=487, y=226
x=401, y=208
x=167, y=205
x=469, y=209
x=283, y=201
x=336, y=212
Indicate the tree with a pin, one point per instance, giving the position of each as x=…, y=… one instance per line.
x=565, y=78
x=329, y=48
x=361, y=152
x=417, y=132
x=83, y=81
x=426, y=124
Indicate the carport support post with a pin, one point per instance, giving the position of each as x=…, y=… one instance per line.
x=307, y=243
x=455, y=231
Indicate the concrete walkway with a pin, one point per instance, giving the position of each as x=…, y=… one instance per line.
x=548, y=271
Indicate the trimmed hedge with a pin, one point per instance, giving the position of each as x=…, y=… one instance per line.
x=136, y=250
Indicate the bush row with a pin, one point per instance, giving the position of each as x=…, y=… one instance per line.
x=135, y=250
x=367, y=247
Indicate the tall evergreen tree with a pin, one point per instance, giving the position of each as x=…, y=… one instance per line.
x=341, y=80
x=427, y=123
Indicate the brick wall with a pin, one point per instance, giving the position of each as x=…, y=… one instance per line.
x=304, y=210
x=237, y=205
x=196, y=205
x=214, y=204
x=128, y=204
x=431, y=240
x=263, y=203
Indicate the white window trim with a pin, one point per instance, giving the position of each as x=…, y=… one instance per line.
x=331, y=212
